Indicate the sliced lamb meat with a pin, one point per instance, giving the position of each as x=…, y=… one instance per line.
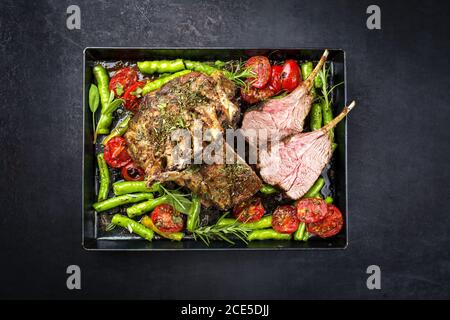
x=285, y=116
x=295, y=163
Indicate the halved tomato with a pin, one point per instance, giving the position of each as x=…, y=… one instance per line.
x=132, y=172
x=250, y=210
x=116, y=154
x=330, y=225
x=122, y=80
x=284, y=219
x=311, y=210
x=167, y=219
x=132, y=96
x=260, y=66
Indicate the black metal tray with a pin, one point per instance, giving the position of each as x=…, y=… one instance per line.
x=93, y=238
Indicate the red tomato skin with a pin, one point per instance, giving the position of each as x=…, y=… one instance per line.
x=284, y=219
x=132, y=172
x=290, y=75
x=132, y=101
x=275, y=80
x=126, y=77
x=166, y=219
x=311, y=210
x=250, y=210
x=254, y=95
x=330, y=226
x=116, y=154
x=260, y=65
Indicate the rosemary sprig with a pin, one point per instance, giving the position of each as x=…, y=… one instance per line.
x=237, y=72
x=223, y=232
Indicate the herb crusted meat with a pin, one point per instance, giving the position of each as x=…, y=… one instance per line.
x=184, y=103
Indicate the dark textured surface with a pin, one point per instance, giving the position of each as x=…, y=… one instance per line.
x=398, y=150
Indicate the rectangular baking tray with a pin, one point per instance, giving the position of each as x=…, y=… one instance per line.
x=93, y=239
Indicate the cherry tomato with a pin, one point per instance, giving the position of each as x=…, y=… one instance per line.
x=122, y=80
x=132, y=172
x=330, y=225
x=249, y=211
x=132, y=96
x=311, y=210
x=290, y=75
x=167, y=219
x=116, y=154
x=284, y=219
x=275, y=79
x=260, y=66
x=252, y=95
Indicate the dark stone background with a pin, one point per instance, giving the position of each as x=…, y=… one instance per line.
x=398, y=149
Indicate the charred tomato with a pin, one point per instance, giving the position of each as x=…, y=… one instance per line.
x=132, y=96
x=249, y=211
x=284, y=219
x=122, y=80
x=116, y=154
x=167, y=219
x=132, y=172
x=260, y=66
x=311, y=210
x=275, y=79
x=330, y=225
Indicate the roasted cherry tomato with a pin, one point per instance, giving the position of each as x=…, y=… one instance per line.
x=284, y=219
x=252, y=95
x=167, y=219
x=311, y=210
x=260, y=66
x=132, y=172
x=116, y=154
x=330, y=225
x=290, y=75
x=132, y=96
x=122, y=80
x=250, y=210
x=275, y=79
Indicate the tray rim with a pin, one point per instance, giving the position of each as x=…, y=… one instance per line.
x=84, y=106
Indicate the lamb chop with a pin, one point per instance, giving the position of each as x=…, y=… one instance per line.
x=295, y=163
x=285, y=116
x=185, y=103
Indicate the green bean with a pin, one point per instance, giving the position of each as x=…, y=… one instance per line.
x=133, y=226
x=300, y=233
x=161, y=66
x=119, y=130
x=268, y=189
x=104, y=177
x=334, y=146
x=176, y=236
x=315, y=189
x=200, y=67
x=121, y=200
x=193, y=217
x=306, y=236
x=329, y=200
x=158, y=83
x=125, y=187
x=267, y=234
x=306, y=69
x=316, y=117
x=101, y=76
x=265, y=222
x=144, y=207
